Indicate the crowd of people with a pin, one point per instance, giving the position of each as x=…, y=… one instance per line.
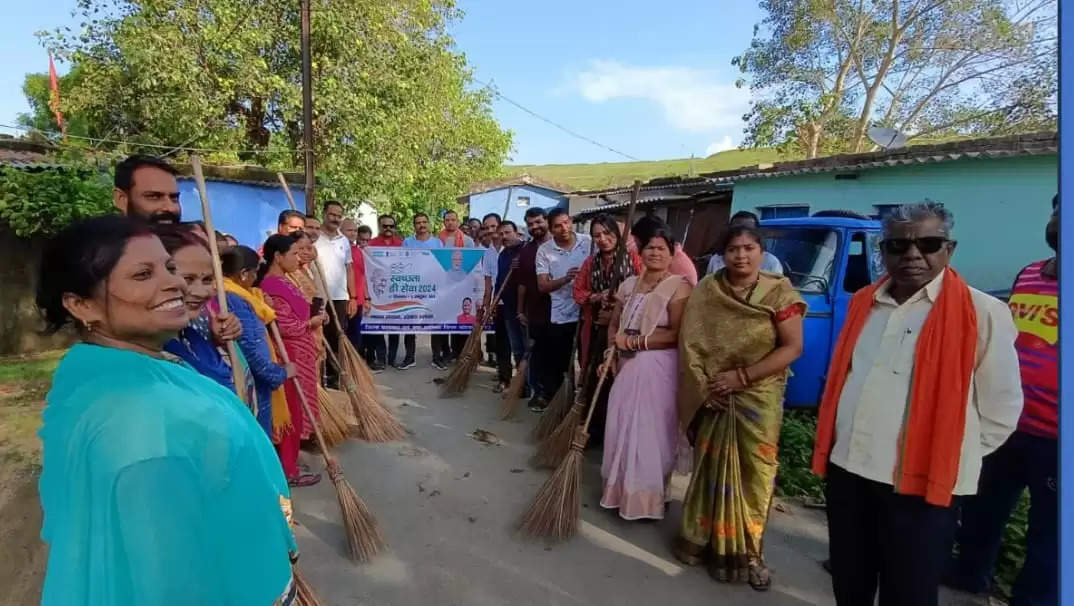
x=159, y=483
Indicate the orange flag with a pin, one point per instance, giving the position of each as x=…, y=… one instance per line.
x=54, y=95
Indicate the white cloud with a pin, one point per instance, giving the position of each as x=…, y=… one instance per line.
x=692, y=100
x=718, y=146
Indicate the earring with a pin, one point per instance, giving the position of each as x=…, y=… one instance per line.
x=88, y=325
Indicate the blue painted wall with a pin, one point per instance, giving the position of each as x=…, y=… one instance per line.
x=493, y=201
x=243, y=210
x=1000, y=205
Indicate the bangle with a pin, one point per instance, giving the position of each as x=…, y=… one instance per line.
x=743, y=376
x=646, y=343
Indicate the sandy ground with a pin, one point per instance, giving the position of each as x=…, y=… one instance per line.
x=449, y=506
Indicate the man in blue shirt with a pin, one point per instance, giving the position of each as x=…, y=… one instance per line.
x=424, y=238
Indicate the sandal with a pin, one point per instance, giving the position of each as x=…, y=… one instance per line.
x=500, y=387
x=760, y=578
x=303, y=480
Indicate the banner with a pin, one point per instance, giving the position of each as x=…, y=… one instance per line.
x=423, y=291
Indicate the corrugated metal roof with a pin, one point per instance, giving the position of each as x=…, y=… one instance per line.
x=642, y=202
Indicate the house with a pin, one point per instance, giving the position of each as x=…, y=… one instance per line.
x=246, y=201
x=999, y=190
x=512, y=197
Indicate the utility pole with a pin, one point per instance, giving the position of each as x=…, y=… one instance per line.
x=307, y=109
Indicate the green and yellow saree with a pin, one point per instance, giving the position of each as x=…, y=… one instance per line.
x=735, y=442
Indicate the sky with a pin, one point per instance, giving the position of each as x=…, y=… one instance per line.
x=651, y=80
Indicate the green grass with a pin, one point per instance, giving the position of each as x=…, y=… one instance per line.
x=581, y=177
x=24, y=381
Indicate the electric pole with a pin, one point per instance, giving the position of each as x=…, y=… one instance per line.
x=307, y=109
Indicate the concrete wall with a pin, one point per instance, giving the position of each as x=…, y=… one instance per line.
x=243, y=210
x=494, y=201
x=1000, y=205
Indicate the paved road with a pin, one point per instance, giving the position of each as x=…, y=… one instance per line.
x=448, y=506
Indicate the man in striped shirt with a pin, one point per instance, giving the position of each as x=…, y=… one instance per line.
x=1029, y=458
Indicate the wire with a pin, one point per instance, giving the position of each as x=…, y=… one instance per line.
x=570, y=132
x=171, y=148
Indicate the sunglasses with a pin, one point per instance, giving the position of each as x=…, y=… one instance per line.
x=387, y=225
x=926, y=246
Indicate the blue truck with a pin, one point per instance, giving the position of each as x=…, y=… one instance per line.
x=828, y=257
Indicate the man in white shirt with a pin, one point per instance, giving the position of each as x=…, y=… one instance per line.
x=769, y=262
x=905, y=422
x=557, y=263
x=334, y=257
x=490, y=232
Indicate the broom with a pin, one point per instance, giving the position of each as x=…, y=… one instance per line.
x=363, y=535
x=304, y=595
x=373, y=421
x=237, y=373
x=336, y=428
x=556, y=509
x=551, y=450
x=459, y=379
x=513, y=396
x=561, y=402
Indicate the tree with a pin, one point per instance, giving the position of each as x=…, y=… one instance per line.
x=823, y=71
x=395, y=112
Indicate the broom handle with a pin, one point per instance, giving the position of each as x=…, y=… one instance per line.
x=328, y=461
x=608, y=354
x=237, y=374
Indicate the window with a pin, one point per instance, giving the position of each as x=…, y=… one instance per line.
x=858, y=268
x=883, y=210
x=523, y=200
x=784, y=211
x=808, y=255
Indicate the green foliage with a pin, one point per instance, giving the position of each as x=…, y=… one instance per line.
x=1012, y=553
x=42, y=202
x=823, y=71
x=795, y=479
x=396, y=115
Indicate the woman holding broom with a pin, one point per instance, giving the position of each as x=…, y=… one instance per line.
x=240, y=265
x=642, y=431
x=605, y=269
x=741, y=331
x=158, y=486
x=297, y=327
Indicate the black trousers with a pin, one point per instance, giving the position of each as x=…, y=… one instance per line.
x=1024, y=461
x=387, y=353
x=339, y=309
x=441, y=346
x=502, y=344
x=552, y=348
x=879, y=539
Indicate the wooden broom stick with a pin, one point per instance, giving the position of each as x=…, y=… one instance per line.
x=459, y=379
x=237, y=373
x=363, y=534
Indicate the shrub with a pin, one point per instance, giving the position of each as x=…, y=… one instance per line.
x=42, y=202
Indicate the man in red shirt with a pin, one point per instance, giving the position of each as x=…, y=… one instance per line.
x=1030, y=457
x=384, y=352
x=359, y=236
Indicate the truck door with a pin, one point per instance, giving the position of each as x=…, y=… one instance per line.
x=810, y=258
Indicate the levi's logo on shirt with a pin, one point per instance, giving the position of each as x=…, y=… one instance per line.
x=1037, y=315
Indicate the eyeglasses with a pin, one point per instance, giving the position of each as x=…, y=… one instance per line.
x=926, y=246
x=387, y=225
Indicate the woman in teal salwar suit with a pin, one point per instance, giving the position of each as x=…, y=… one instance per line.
x=158, y=486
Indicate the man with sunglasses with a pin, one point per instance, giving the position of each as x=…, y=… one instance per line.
x=923, y=383
x=1030, y=458
x=385, y=350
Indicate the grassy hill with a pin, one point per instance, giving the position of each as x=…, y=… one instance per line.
x=611, y=174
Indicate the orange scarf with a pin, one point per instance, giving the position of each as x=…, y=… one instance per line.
x=460, y=239
x=930, y=443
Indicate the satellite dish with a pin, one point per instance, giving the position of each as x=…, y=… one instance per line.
x=887, y=138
